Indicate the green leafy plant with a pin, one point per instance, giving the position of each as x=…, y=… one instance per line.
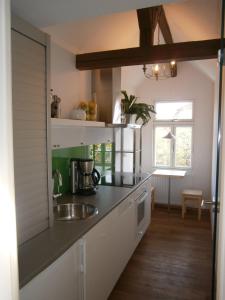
x=141, y=110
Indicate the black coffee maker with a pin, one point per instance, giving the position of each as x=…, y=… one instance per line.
x=84, y=177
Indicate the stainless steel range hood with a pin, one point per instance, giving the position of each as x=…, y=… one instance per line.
x=106, y=84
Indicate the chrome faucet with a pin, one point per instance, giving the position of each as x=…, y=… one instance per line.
x=57, y=176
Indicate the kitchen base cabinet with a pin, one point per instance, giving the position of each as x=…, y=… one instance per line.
x=91, y=267
x=99, y=264
x=124, y=235
x=61, y=280
x=109, y=246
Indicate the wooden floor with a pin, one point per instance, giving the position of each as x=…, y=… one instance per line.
x=172, y=262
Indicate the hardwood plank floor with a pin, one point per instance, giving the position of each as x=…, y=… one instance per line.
x=172, y=262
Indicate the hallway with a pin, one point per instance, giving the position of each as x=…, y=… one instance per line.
x=172, y=262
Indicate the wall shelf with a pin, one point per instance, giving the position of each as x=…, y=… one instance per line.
x=67, y=122
x=72, y=133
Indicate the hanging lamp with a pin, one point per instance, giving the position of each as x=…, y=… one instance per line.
x=160, y=71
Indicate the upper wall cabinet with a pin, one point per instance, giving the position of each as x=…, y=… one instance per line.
x=70, y=133
x=30, y=110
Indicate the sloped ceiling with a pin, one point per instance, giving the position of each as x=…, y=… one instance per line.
x=188, y=20
x=92, y=25
x=43, y=13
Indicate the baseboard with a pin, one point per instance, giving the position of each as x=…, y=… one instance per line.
x=178, y=207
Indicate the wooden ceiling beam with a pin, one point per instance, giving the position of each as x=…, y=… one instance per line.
x=186, y=51
x=147, y=21
x=148, y=18
x=164, y=27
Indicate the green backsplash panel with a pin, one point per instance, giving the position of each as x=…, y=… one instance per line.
x=61, y=161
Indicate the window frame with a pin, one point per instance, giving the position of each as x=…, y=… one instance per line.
x=173, y=124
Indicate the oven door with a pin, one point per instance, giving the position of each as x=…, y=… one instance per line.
x=141, y=213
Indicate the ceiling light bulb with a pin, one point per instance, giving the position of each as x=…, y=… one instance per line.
x=156, y=68
x=172, y=62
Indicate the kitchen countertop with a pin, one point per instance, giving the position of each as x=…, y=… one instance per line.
x=38, y=253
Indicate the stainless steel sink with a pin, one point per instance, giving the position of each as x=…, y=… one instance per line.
x=75, y=211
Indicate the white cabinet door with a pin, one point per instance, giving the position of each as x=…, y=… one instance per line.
x=109, y=245
x=100, y=277
x=94, y=135
x=61, y=280
x=73, y=136
x=125, y=234
x=66, y=137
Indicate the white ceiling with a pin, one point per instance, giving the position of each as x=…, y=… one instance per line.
x=96, y=25
x=42, y=13
x=188, y=21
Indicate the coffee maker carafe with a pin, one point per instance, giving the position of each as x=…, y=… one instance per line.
x=84, y=177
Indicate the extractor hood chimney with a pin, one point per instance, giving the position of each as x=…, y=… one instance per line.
x=106, y=84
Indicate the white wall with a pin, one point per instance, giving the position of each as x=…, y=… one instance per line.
x=71, y=85
x=190, y=84
x=9, y=284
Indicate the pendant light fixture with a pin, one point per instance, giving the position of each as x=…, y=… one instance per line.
x=160, y=71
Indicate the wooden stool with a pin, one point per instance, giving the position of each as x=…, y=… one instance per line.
x=153, y=197
x=192, y=196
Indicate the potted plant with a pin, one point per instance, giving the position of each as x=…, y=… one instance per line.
x=134, y=111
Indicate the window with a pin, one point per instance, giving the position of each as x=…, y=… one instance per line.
x=174, y=110
x=176, y=118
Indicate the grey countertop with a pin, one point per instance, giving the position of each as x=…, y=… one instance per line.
x=38, y=253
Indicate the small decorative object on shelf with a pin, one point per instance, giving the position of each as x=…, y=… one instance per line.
x=83, y=105
x=78, y=114
x=132, y=111
x=55, y=106
x=92, y=109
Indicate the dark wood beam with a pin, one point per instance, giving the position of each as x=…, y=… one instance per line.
x=164, y=27
x=148, y=18
x=197, y=50
x=147, y=21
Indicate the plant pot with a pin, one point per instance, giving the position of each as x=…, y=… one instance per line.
x=130, y=118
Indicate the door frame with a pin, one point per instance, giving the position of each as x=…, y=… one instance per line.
x=221, y=224
x=9, y=284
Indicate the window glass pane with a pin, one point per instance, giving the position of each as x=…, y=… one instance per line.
x=98, y=147
x=183, y=146
x=98, y=157
x=162, y=147
x=174, y=110
x=108, y=157
x=108, y=147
